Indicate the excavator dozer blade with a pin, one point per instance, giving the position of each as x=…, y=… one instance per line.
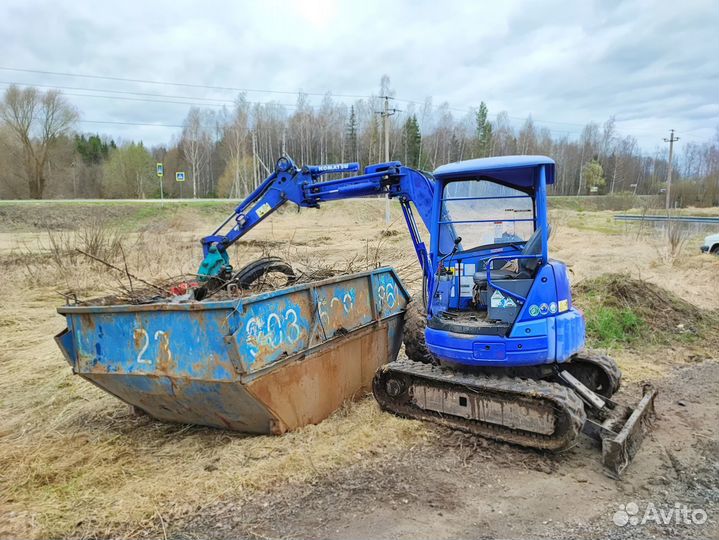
x=618, y=451
x=620, y=442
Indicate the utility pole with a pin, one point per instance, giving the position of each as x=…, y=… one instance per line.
x=255, y=172
x=581, y=170
x=385, y=114
x=671, y=140
x=74, y=179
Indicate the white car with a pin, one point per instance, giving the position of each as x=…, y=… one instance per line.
x=711, y=244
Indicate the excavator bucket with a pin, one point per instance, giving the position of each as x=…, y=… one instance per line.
x=263, y=363
x=622, y=431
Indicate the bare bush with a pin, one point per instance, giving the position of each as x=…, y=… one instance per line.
x=100, y=240
x=63, y=250
x=674, y=238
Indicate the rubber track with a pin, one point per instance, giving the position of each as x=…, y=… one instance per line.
x=415, y=321
x=605, y=363
x=569, y=410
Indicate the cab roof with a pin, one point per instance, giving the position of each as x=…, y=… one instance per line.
x=520, y=171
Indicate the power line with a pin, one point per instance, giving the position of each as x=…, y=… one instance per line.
x=219, y=102
x=123, y=92
x=204, y=102
x=470, y=108
x=129, y=123
x=225, y=88
x=146, y=100
x=169, y=83
x=234, y=89
x=264, y=91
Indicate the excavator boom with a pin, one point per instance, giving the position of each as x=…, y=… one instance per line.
x=305, y=188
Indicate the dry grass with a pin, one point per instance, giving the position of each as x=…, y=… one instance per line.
x=673, y=240
x=663, y=312
x=75, y=463
x=666, y=331
x=55, y=258
x=592, y=244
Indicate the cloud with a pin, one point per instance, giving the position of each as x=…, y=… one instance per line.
x=653, y=64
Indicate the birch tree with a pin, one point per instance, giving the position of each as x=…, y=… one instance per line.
x=195, y=143
x=236, y=135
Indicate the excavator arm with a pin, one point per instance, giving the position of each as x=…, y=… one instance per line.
x=304, y=187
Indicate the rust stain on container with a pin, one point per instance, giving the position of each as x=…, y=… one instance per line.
x=308, y=391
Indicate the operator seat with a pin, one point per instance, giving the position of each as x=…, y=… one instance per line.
x=526, y=267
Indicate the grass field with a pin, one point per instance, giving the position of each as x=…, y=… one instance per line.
x=75, y=462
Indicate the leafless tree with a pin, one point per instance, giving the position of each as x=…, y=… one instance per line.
x=235, y=138
x=195, y=142
x=231, y=152
x=589, y=142
x=504, y=139
x=37, y=120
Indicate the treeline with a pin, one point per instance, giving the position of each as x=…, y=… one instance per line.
x=226, y=153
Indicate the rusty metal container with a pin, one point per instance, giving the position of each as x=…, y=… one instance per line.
x=266, y=363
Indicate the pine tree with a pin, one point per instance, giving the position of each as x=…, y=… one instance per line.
x=593, y=175
x=412, y=141
x=454, y=144
x=483, y=132
x=92, y=149
x=352, y=135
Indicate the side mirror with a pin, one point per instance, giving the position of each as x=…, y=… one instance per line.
x=457, y=241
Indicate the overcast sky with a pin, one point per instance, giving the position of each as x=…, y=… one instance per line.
x=653, y=64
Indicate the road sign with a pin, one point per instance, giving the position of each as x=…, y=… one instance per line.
x=180, y=176
x=160, y=170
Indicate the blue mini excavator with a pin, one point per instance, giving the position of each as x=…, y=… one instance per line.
x=495, y=346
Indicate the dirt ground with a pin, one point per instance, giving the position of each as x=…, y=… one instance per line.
x=459, y=486
x=75, y=463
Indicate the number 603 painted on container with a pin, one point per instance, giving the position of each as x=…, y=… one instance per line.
x=273, y=331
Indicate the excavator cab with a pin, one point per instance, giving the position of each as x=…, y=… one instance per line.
x=496, y=298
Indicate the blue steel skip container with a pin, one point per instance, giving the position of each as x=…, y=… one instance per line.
x=266, y=363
